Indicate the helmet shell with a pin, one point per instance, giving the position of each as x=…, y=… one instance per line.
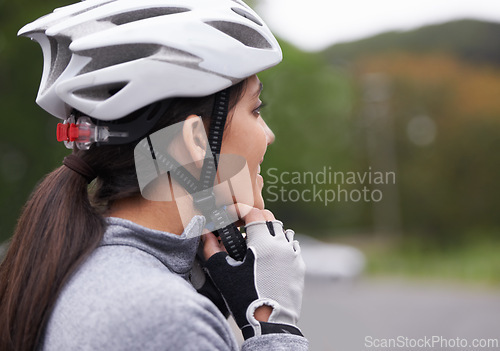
x=109, y=58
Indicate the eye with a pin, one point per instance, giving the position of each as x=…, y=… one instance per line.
x=257, y=110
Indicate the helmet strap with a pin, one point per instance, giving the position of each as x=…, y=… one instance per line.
x=216, y=130
x=136, y=128
x=202, y=190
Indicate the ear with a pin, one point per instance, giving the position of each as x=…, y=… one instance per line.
x=195, y=139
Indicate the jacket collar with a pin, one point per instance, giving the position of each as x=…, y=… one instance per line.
x=176, y=252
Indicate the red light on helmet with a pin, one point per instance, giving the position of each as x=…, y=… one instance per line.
x=84, y=133
x=62, y=132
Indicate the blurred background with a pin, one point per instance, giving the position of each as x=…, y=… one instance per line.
x=413, y=90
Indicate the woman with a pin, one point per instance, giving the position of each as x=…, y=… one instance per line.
x=111, y=269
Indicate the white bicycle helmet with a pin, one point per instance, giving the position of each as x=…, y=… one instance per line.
x=109, y=58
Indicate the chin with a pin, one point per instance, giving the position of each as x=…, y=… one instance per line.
x=259, y=202
x=257, y=195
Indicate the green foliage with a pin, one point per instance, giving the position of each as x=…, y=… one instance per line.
x=472, y=40
x=28, y=149
x=449, y=186
x=449, y=73
x=475, y=261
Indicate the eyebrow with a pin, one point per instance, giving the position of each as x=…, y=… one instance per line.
x=258, y=91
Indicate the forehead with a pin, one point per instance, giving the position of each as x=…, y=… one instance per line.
x=254, y=87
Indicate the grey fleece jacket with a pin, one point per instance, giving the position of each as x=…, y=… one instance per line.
x=133, y=293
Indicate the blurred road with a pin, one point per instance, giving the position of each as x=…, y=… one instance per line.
x=340, y=315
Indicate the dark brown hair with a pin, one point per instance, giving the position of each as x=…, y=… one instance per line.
x=59, y=227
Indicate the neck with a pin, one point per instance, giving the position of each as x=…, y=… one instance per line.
x=158, y=215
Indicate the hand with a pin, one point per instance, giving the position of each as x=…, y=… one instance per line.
x=271, y=274
x=212, y=245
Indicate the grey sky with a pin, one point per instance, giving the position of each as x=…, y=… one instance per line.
x=316, y=24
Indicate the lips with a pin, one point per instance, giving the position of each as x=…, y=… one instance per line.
x=261, y=160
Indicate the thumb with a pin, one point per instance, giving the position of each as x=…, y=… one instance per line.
x=211, y=245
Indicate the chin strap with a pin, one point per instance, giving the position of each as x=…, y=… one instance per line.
x=229, y=234
x=202, y=190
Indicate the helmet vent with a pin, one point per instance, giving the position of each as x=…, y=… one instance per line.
x=60, y=57
x=177, y=56
x=100, y=92
x=114, y=55
x=138, y=15
x=91, y=7
x=247, y=15
x=245, y=35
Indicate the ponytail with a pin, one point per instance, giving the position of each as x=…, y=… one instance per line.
x=57, y=229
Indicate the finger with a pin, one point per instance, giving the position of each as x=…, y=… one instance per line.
x=239, y=210
x=276, y=229
x=268, y=215
x=263, y=230
x=289, y=234
x=211, y=245
x=296, y=247
x=254, y=215
x=249, y=214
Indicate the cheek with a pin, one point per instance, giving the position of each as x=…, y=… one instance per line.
x=259, y=144
x=247, y=139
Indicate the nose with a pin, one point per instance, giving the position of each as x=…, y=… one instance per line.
x=269, y=134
